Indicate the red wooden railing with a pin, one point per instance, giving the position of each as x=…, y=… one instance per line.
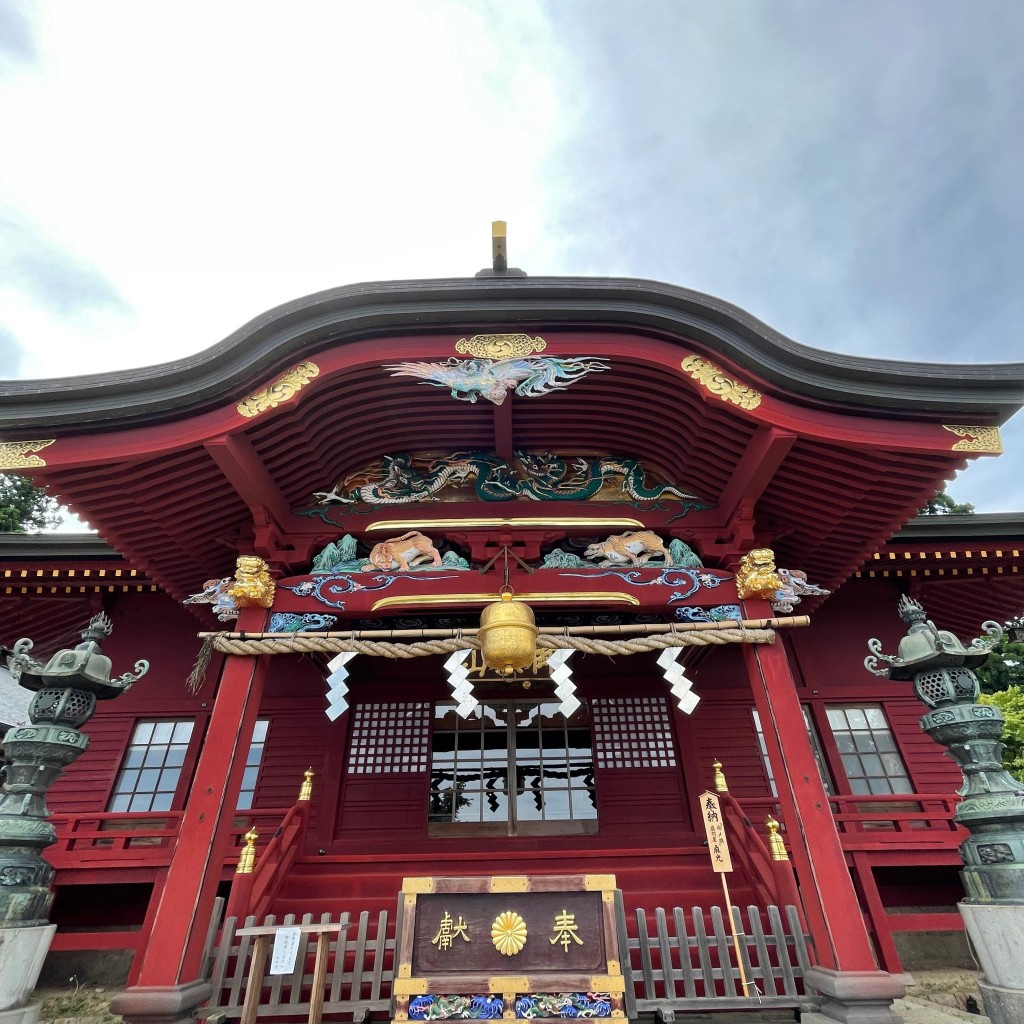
x=773, y=881
x=144, y=839
x=911, y=820
x=254, y=893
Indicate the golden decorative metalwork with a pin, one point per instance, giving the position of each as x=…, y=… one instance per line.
x=253, y=586
x=19, y=455
x=508, y=933
x=567, y=522
x=500, y=346
x=247, y=855
x=414, y=885
x=510, y=883
x=503, y=983
x=508, y=635
x=776, y=844
x=409, y=986
x=976, y=439
x=757, y=575
x=285, y=388
x=714, y=379
x=721, y=786
x=613, y=984
x=306, y=789
x=598, y=883
x=576, y=596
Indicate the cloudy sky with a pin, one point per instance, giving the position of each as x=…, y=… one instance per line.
x=849, y=172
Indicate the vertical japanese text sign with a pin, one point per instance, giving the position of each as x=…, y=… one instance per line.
x=714, y=825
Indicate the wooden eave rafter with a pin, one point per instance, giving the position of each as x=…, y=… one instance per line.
x=963, y=569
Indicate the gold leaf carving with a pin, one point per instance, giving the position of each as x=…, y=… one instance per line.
x=976, y=439
x=714, y=379
x=19, y=454
x=500, y=346
x=282, y=390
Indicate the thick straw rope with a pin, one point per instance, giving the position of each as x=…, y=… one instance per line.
x=299, y=644
x=659, y=637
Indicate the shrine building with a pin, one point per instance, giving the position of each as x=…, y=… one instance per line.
x=704, y=522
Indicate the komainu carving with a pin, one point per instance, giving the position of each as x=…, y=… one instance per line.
x=757, y=575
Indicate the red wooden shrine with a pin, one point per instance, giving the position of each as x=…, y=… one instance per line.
x=185, y=466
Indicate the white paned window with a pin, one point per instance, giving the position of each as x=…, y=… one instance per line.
x=815, y=744
x=521, y=767
x=151, y=769
x=866, y=745
x=252, y=764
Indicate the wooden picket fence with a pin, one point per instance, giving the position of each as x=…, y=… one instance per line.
x=681, y=968
x=345, y=968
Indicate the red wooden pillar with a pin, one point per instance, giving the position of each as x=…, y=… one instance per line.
x=834, y=916
x=175, y=927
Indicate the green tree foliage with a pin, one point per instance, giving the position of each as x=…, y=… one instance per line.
x=1011, y=702
x=25, y=508
x=1005, y=665
x=944, y=504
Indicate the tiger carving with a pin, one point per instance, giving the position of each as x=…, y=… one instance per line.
x=402, y=553
x=635, y=548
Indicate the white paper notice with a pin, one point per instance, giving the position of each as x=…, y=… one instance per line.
x=286, y=949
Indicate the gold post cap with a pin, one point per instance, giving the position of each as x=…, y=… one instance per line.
x=306, y=789
x=247, y=856
x=776, y=844
x=721, y=786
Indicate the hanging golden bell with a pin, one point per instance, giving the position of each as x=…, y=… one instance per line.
x=508, y=635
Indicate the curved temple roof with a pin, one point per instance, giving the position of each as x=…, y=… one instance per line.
x=306, y=325
x=832, y=457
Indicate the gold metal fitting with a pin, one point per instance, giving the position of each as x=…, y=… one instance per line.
x=776, y=844
x=721, y=786
x=247, y=856
x=306, y=789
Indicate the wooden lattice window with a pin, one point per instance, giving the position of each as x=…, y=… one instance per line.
x=389, y=738
x=633, y=732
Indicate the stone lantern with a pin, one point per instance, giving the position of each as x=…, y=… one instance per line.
x=992, y=809
x=67, y=689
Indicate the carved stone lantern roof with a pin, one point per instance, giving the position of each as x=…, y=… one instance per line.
x=81, y=668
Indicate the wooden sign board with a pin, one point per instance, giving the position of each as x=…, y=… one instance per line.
x=714, y=825
x=526, y=947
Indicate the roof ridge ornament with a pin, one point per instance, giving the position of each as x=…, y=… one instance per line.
x=499, y=254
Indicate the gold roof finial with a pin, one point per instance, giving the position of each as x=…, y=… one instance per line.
x=247, y=858
x=721, y=786
x=499, y=250
x=306, y=789
x=776, y=844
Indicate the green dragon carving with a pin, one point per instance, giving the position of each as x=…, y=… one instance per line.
x=402, y=479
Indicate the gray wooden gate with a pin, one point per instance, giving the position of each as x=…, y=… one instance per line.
x=681, y=968
x=351, y=977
